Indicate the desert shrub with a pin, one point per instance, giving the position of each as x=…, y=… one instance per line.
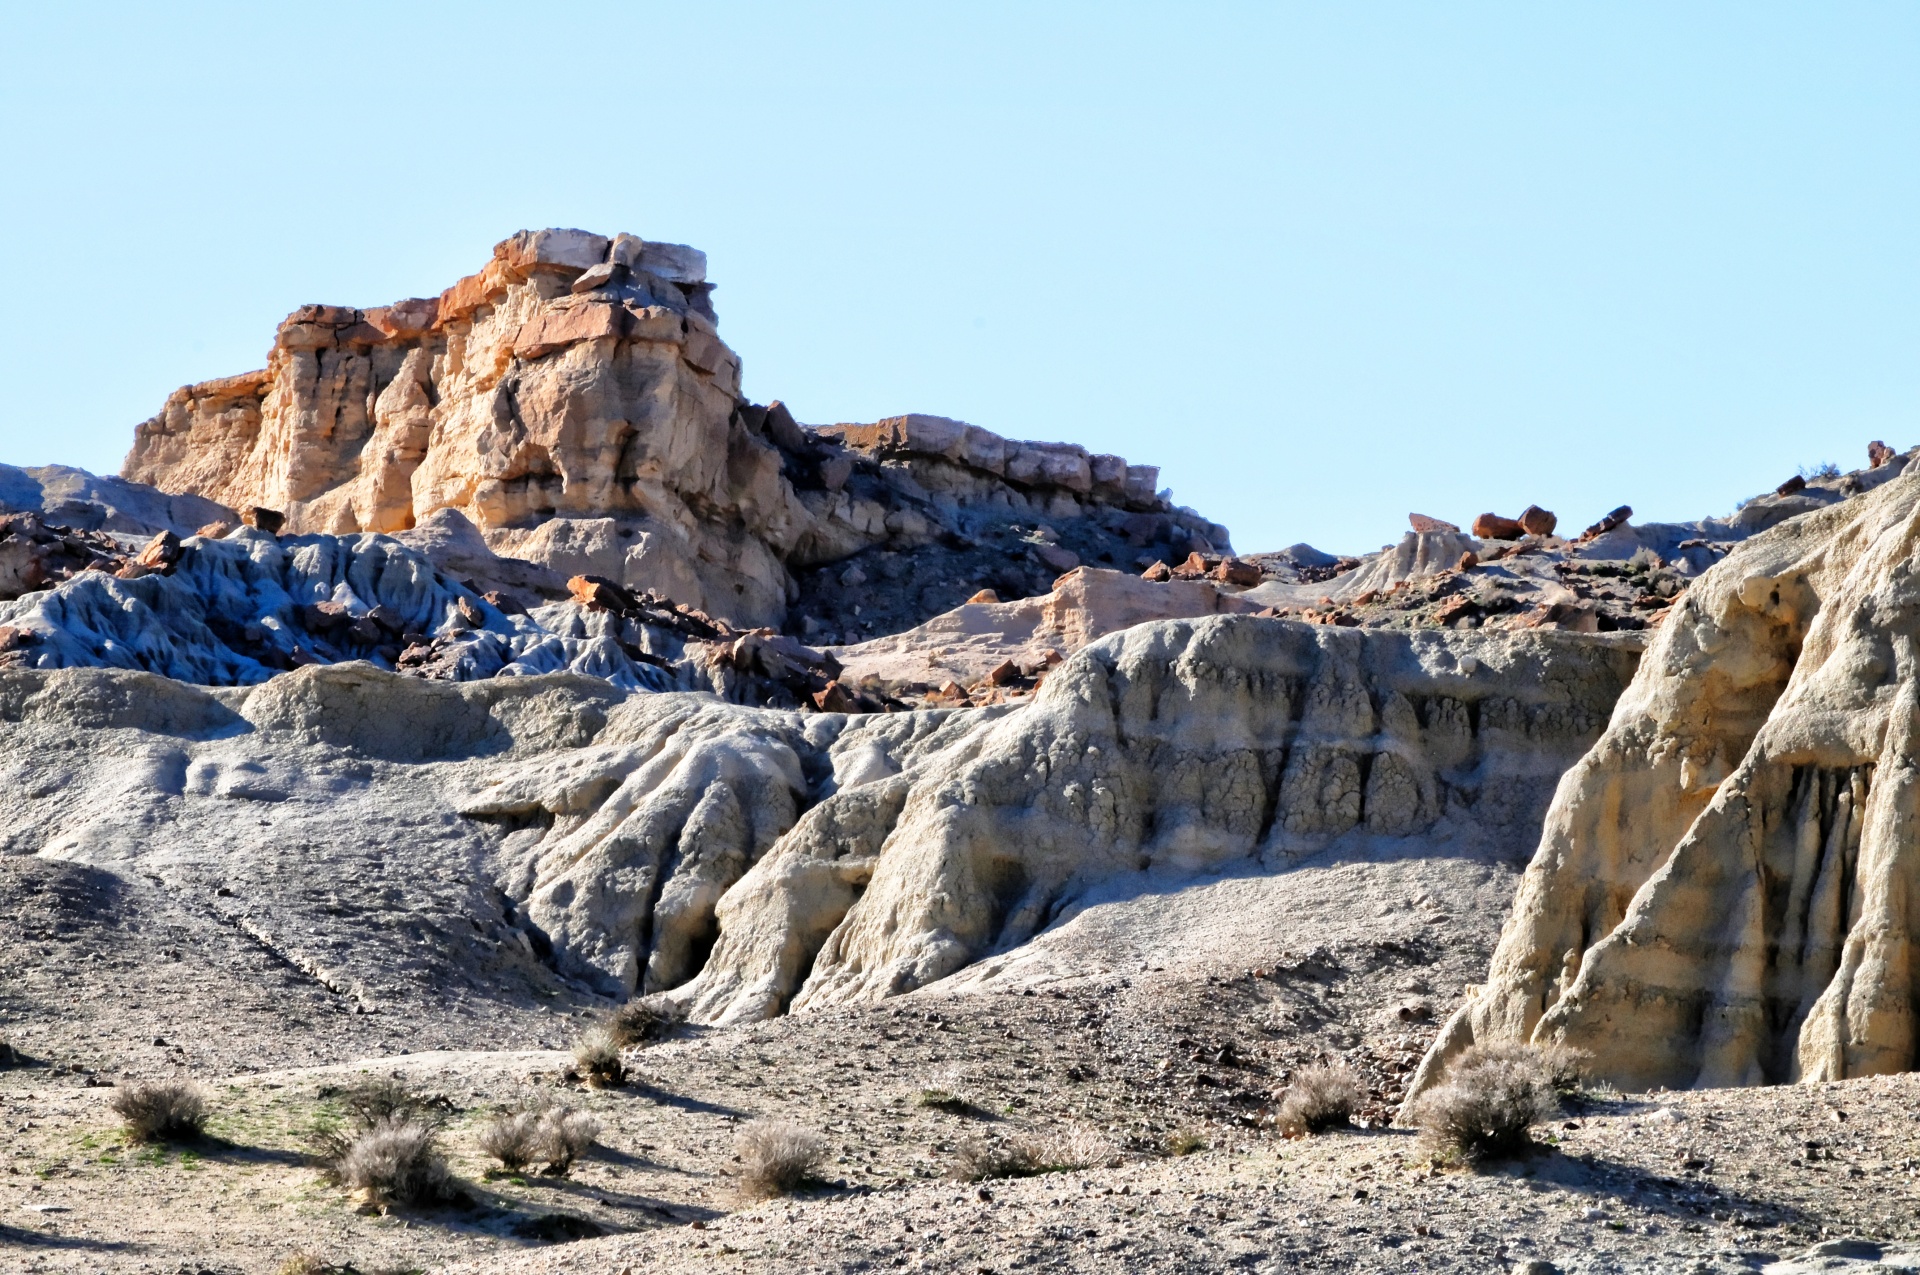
x=383, y=1098
x=1186, y=1142
x=776, y=1157
x=1565, y=1067
x=596, y=1056
x=1490, y=1098
x=160, y=1110
x=937, y=1099
x=388, y=1147
x=643, y=1021
x=1028, y=1155
x=564, y=1136
x=512, y=1138
x=7, y=1055
x=314, y=1264
x=397, y=1161
x=1826, y=469
x=1320, y=1098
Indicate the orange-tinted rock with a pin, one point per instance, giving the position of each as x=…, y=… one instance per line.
x=557, y=329
x=1158, y=572
x=985, y=595
x=1423, y=524
x=1537, y=521
x=1236, y=571
x=595, y=593
x=1468, y=561
x=215, y=531
x=835, y=698
x=160, y=553
x=1878, y=453
x=1494, y=527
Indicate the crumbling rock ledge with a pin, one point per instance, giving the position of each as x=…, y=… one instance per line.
x=1725, y=888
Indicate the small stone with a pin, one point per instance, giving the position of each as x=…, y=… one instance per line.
x=1159, y=573
x=1468, y=561
x=1003, y=672
x=215, y=531
x=1793, y=484
x=983, y=597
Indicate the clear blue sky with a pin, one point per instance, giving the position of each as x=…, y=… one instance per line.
x=1324, y=264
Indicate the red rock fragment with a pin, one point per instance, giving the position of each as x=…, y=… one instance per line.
x=1494, y=527
x=1615, y=519
x=1537, y=521
x=1793, y=484
x=1423, y=524
x=1878, y=453
x=835, y=698
x=1237, y=571
x=1159, y=573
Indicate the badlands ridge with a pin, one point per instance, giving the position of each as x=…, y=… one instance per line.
x=486, y=661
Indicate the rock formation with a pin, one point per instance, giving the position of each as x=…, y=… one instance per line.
x=574, y=401
x=1725, y=891
x=832, y=860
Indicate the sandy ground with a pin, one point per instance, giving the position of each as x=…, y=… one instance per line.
x=1159, y=1014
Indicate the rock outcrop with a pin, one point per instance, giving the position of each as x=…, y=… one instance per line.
x=1727, y=889
x=831, y=860
x=574, y=400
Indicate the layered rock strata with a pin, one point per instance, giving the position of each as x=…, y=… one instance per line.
x=822, y=861
x=574, y=400
x=1725, y=891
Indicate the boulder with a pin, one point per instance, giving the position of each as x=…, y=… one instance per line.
x=1424, y=525
x=1536, y=521
x=1494, y=527
x=1878, y=454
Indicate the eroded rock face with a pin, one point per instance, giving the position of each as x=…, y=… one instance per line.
x=575, y=402
x=1726, y=888
x=935, y=839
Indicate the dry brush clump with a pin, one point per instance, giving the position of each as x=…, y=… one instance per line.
x=596, y=1056
x=644, y=1021
x=777, y=1156
x=1031, y=1154
x=1491, y=1098
x=160, y=1110
x=1319, y=1098
x=388, y=1147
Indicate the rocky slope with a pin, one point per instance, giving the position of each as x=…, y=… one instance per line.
x=1722, y=893
x=574, y=400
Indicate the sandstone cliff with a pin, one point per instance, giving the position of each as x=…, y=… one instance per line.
x=575, y=401
x=1724, y=891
